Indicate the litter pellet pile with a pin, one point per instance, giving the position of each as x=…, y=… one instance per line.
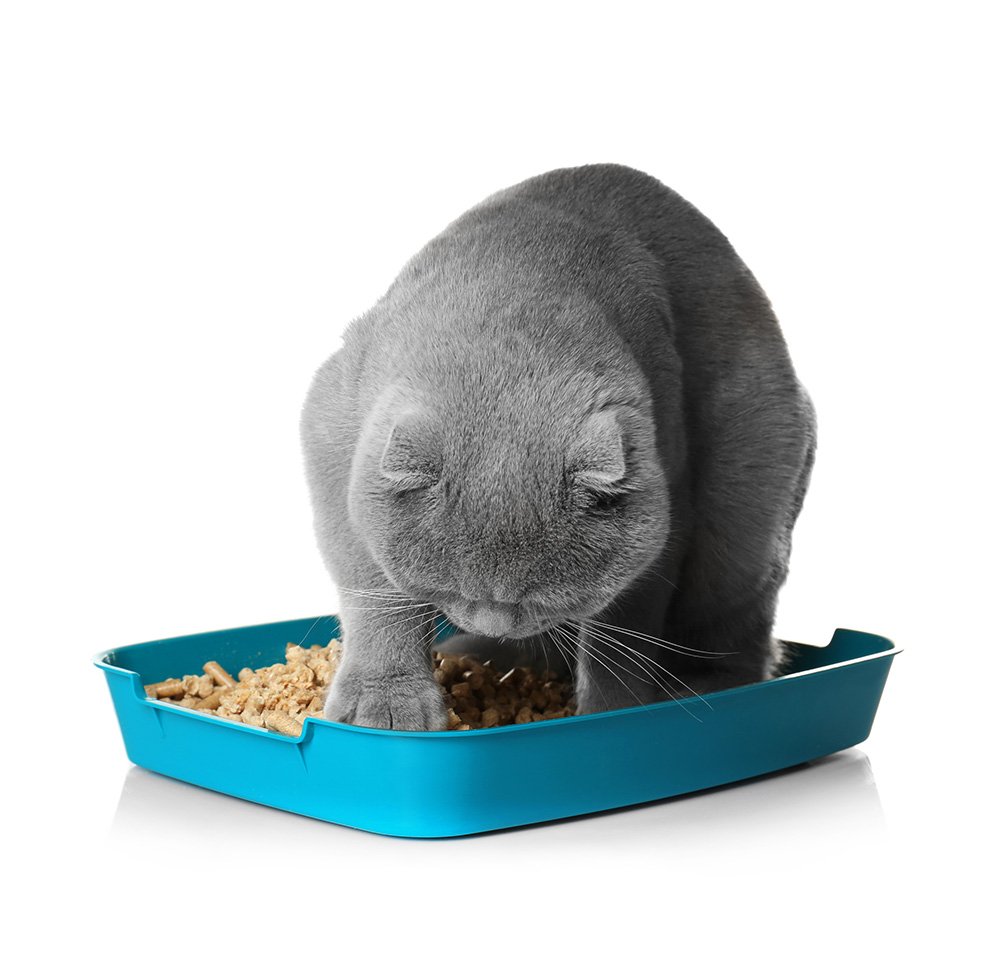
x=280, y=697
x=479, y=696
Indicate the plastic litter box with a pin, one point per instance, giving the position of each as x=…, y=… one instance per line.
x=447, y=783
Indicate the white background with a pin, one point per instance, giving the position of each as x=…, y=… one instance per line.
x=196, y=200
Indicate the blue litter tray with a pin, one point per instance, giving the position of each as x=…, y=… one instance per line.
x=446, y=783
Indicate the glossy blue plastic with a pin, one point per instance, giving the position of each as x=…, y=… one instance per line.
x=434, y=784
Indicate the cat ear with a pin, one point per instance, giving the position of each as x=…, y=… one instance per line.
x=410, y=459
x=597, y=460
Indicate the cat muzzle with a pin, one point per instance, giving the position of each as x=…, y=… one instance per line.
x=492, y=621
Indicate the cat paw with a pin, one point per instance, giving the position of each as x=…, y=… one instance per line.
x=391, y=703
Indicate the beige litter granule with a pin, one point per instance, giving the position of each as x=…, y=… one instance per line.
x=280, y=697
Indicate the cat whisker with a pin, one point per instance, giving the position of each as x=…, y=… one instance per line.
x=649, y=660
x=592, y=651
x=567, y=646
x=660, y=575
x=562, y=653
x=590, y=646
x=637, y=658
x=691, y=691
x=642, y=662
x=660, y=641
x=666, y=644
x=572, y=640
x=672, y=693
x=425, y=621
x=429, y=639
x=393, y=594
x=540, y=637
x=397, y=608
x=313, y=627
x=398, y=621
x=545, y=653
x=409, y=616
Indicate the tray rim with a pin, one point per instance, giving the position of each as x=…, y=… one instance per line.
x=101, y=660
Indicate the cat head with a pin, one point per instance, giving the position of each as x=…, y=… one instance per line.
x=510, y=515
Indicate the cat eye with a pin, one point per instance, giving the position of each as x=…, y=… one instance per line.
x=409, y=461
x=410, y=485
x=601, y=500
x=605, y=502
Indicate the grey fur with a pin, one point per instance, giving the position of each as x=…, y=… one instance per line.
x=573, y=403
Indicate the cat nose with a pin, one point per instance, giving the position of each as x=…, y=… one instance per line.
x=492, y=620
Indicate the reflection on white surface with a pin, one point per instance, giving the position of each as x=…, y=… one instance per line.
x=826, y=798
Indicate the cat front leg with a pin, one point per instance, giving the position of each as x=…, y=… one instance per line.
x=385, y=679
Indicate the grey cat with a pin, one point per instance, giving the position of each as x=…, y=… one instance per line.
x=571, y=421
